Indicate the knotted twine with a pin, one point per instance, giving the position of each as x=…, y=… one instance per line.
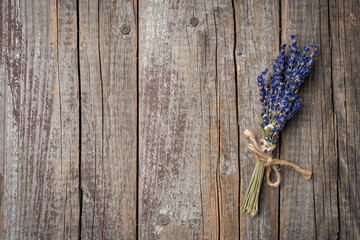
x=271, y=163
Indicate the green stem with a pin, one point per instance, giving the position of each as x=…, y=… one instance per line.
x=251, y=200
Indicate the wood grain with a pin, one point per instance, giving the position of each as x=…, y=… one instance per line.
x=109, y=119
x=309, y=208
x=40, y=123
x=137, y=133
x=228, y=120
x=187, y=121
x=257, y=45
x=345, y=45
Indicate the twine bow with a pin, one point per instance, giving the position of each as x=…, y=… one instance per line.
x=269, y=162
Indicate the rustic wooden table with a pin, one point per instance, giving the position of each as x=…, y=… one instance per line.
x=125, y=119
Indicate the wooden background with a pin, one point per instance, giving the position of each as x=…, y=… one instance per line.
x=124, y=119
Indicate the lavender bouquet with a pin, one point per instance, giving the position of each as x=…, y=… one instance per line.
x=278, y=95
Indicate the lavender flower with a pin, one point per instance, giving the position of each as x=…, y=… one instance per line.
x=278, y=93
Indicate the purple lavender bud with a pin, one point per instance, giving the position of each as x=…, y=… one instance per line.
x=278, y=92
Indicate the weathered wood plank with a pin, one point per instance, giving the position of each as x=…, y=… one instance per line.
x=228, y=124
x=257, y=45
x=171, y=131
x=40, y=119
x=109, y=119
x=345, y=44
x=309, y=208
x=187, y=90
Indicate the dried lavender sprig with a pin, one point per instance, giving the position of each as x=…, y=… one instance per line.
x=278, y=94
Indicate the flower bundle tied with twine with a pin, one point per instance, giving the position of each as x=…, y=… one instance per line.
x=278, y=95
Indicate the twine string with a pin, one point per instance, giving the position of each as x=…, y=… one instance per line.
x=262, y=153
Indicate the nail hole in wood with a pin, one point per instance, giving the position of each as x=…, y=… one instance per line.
x=163, y=220
x=125, y=29
x=194, y=21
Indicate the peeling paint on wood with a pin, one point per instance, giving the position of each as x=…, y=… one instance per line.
x=109, y=119
x=187, y=117
x=40, y=119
